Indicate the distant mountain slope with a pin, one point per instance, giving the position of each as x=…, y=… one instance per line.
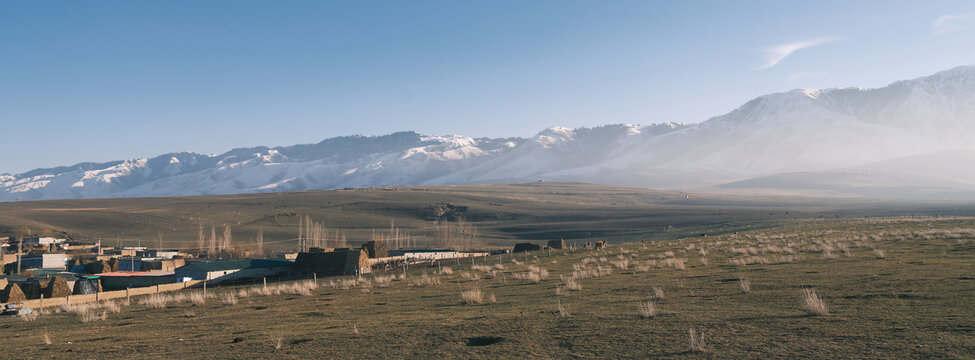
x=782, y=141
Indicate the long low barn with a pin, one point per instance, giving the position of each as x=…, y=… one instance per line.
x=224, y=270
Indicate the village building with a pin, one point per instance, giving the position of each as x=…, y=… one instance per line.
x=120, y=280
x=225, y=270
x=44, y=261
x=337, y=262
x=43, y=241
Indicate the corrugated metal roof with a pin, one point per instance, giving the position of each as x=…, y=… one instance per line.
x=219, y=265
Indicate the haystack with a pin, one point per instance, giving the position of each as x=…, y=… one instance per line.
x=98, y=267
x=522, y=247
x=13, y=294
x=377, y=249
x=57, y=287
x=556, y=244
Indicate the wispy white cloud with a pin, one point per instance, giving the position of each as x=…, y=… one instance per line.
x=951, y=23
x=776, y=54
x=805, y=75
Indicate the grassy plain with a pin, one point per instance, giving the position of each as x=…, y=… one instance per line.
x=502, y=214
x=894, y=288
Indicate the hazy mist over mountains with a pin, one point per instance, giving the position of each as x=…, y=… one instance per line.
x=912, y=139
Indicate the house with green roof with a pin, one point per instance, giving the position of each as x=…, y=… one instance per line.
x=216, y=271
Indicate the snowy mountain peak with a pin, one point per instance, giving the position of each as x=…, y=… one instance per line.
x=799, y=130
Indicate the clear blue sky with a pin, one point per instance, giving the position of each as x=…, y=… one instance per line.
x=108, y=80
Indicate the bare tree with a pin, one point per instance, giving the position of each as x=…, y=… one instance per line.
x=213, y=241
x=260, y=242
x=201, y=241
x=226, y=238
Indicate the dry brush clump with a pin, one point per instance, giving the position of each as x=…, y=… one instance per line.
x=647, y=310
x=879, y=254
x=812, y=303
x=571, y=283
x=424, y=280
x=92, y=316
x=658, y=292
x=696, y=341
x=473, y=296
x=31, y=316
x=156, y=301
x=744, y=285
x=229, y=299
x=470, y=276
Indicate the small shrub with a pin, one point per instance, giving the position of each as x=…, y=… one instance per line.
x=880, y=254
x=446, y=270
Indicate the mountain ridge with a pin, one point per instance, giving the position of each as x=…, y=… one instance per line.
x=798, y=131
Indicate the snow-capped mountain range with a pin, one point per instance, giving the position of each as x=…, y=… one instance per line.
x=798, y=135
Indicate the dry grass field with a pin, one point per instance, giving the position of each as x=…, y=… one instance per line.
x=811, y=288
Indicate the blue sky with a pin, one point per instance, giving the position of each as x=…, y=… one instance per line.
x=111, y=80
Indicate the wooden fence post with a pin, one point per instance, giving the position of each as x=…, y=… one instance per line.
x=126, y=294
x=157, y=288
x=204, y=289
x=265, y=284
x=42, y=301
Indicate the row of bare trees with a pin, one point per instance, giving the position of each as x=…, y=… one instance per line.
x=314, y=234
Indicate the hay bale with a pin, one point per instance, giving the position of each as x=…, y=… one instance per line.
x=57, y=287
x=556, y=244
x=522, y=247
x=377, y=249
x=13, y=294
x=98, y=267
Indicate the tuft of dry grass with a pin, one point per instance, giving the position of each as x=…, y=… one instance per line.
x=473, y=296
x=470, y=276
x=92, y=316
x=563, y=311
x=276, y=342
x=46, y=338
x=696, y=341
x=196, y=298
x=31, y=316
x=648, y=310
x=112, y=307
x=744, y=285
x=155, y=301
x=658, y=293
x=880, y=254
x=446, y=270
x=812, y=303
x=424, y=280
x=571, y=283
x=229, y=299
